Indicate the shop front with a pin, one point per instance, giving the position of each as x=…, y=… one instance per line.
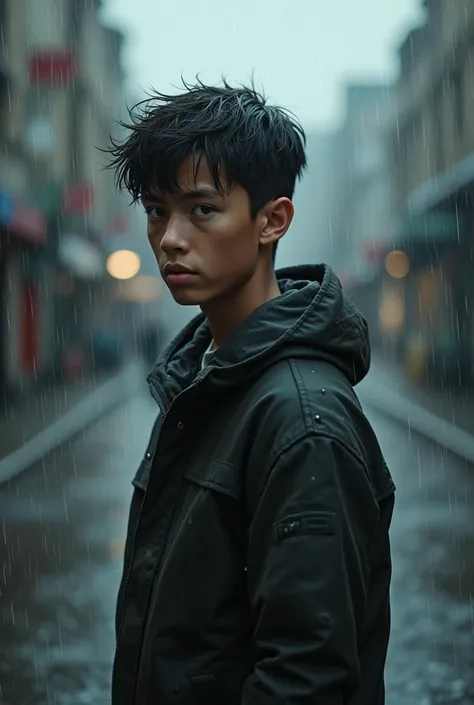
x=79, y=298
x=425, y=288
x=22, y=234
x=76, y=265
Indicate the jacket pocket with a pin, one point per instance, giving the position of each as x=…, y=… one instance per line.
x=204, y=689
x=317, y=523
x=218, y=476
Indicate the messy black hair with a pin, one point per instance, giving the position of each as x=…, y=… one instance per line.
x=256, y=146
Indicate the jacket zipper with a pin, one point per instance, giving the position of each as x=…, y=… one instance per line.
x=157, y=397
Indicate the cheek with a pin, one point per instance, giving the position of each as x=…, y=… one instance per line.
x=239, y=244
x=236, y=258
x=154, y=238
x=246, y=248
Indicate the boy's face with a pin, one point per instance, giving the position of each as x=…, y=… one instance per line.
x=209, y=235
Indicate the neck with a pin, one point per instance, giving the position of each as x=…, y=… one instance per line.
x=226, y=313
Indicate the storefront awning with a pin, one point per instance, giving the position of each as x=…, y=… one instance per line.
x=430, y=228
x=437, y=191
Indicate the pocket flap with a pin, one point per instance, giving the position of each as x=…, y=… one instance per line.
x=218, y=476
x=140, y=481
x=205, y=689
x=143, y=473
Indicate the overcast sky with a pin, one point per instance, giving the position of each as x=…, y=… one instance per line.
x=299, y=50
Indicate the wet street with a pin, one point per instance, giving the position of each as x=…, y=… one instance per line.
x=62, y=528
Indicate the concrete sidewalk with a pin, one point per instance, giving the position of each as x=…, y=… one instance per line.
x=443, y=417
x=43, y=422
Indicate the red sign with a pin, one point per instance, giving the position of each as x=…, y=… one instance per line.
x=53, y=67
x=78, y=199
x=29, y=223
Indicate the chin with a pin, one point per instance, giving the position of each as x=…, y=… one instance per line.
x=187, y=298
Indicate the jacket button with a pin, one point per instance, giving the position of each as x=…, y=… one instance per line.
x=181, y=426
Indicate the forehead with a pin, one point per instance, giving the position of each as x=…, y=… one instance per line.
x=193, y=175
x=193, y=171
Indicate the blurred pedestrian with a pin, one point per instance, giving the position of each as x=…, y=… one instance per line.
x=257, y=564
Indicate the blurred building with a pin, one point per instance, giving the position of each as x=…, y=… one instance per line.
x=361, y=181
x=358, y=194
x=61, y=89
x=309, y=239
x=431, y=153
x=23, y=227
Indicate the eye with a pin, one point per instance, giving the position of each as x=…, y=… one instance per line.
x=155, y=212
x=203, y=211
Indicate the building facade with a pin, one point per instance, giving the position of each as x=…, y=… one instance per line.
x=61, y=88
x=431, y=156
x=358, y=199
x=23, y=227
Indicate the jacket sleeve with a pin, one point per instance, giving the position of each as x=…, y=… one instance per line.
x=308, y=567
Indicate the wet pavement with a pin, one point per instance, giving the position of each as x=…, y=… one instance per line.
x=63, y=524
x=61, y=541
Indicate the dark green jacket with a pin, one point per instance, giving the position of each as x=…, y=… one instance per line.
x=257, y=564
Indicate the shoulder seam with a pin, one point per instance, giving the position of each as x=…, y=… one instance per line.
x=301, y=388
x=328, y=436
x=307, y=434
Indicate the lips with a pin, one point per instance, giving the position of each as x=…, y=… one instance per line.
x=170, y=269
x=177, y=275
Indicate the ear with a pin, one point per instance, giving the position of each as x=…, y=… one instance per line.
x=277, y=217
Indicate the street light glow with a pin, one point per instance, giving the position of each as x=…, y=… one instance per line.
x=397, y=264
x=123, y=264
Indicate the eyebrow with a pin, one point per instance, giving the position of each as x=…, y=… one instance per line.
x=204, y=192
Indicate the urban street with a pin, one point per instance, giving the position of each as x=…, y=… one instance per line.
x=63, y=524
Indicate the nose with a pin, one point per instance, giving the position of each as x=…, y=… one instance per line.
x=174, y=237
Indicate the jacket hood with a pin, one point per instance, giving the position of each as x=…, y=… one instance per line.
x=312, y=319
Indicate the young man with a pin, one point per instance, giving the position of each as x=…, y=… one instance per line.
x=257, y=563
